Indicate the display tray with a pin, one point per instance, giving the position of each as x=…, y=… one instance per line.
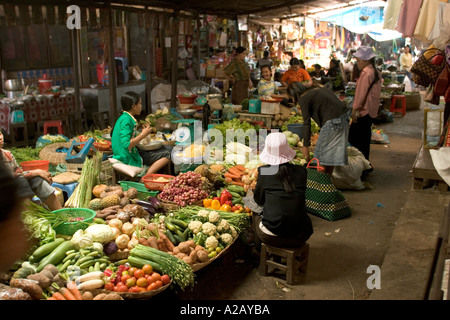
x=198, y=266
x=134, y=295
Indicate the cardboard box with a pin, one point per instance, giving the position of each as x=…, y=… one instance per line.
x=270, y=107
x=211, y=71
x=222, y=84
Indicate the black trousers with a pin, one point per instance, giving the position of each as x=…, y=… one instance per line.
x=360, y=134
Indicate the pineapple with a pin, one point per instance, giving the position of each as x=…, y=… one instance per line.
x=110, y=201
x=96, y=204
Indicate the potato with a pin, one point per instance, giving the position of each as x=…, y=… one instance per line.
x=52, y=269
x=100, y=296
x=112, y=296
x=202, y=256
x=44, y=282
x=29, y=286
x=87, y=295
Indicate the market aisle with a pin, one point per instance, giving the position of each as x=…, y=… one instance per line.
x=340, y=251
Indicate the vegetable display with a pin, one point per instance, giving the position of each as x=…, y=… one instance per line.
x=184, y=190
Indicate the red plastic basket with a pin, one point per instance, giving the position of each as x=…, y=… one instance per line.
x=35, y=164
x=187, y=100
x=151, y=184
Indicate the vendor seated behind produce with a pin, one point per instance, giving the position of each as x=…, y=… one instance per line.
x=33, y=182
x=280, y=190
x=125, y=138
x=13, y=242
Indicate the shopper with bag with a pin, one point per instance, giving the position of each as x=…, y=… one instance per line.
x=331, y=115
x=280, y=190
x=366, y=101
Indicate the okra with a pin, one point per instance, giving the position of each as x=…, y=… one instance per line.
x=64, y=266
x=70, y=252
x=70, y=257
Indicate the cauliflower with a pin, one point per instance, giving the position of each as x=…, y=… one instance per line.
x=100, y=232
x=233, y=232
x=195, y=226
x=81, y=240
x=209, y=229
x=223, y=225
x=203, y=213
x=211, y=243
x=213, y=216
x=226, y=238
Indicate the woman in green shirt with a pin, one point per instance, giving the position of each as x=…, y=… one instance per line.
x=125, y=137
x=239, y=72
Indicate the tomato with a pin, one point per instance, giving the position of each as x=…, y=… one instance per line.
x=152, y=286
x=137, y=289
x=155, y=277
x=122, y=288
x=131, y=271
x=109, y=286
x=120, y=283
x=138, y=273
x=142, y=282
x=158, y=284
x=131, y=282
x=125, y=277
x=165, y=279
x=148, y=269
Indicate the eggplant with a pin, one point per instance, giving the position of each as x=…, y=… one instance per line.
x=148, y=206
x=157, y=203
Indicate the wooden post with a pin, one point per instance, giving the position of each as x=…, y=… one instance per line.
x=76, y=80
x=150, y=59
x=197, y=38
x=174, y=47
x=112, y=70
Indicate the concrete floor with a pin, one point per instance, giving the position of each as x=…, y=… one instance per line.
x=392, y=227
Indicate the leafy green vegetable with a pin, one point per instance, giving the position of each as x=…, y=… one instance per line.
x=25, y=154
x=240, y=130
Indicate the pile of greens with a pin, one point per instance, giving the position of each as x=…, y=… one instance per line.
x=239, y=128
x=25, y=154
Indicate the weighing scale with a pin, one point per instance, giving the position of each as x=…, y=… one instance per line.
x=184, y=135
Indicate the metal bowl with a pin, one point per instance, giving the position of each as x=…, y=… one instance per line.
x=14, y=84
x=153, y=145
x=187, y=112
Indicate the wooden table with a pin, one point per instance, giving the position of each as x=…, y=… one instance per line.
x=423, y=169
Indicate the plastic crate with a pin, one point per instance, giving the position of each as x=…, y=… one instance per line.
x=35, y=164
x=142, y=191
x=106, y=172
x=69, y=228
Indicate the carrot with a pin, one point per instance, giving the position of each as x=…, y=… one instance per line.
x=228, y=179
x=230, y=175
x=58, y=296
x=67, y=294
x=238, y=183
x=153, y=243
x=235, y=171
x=51, y=298
x=72, y=286
x=239, y=167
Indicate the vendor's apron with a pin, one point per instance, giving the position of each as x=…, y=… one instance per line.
x=239, y=91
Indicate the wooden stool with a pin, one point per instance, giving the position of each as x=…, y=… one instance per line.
x=14, y=130
x=296, y=260
x=394, y=107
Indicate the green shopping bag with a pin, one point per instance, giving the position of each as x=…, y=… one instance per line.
x=323, y=199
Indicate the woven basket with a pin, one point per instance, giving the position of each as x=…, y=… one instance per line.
x=49, y=153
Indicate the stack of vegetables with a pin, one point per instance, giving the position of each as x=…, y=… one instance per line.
x=185, y=189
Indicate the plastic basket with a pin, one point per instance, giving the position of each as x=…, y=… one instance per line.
x=142, y=191
x=69, y=228
x=151, y=184
x=295, y=128
x=187, y=100
x=35, y=164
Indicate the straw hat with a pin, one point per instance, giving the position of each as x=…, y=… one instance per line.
x=276, y=150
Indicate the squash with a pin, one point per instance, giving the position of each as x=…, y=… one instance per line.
x=98, y=189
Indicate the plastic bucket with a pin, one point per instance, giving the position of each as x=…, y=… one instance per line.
x=35, y=164
x=187, y=100
x=69, y=228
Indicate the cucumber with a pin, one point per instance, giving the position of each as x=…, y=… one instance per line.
x=169, y=235
x=170, y=226
x=237, y=201
x=178, y=238
x=46, y=249
x=180, y=223
x=56, y=256
x=235, y=188
x=234, y=194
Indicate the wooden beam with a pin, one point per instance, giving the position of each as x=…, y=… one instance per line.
x=197, y=38
x=149, y=40
x=76, y=80
x=112, y=71
x=174, y=47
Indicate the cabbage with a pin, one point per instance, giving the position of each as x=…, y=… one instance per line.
x=297, y=138
x=292, y=141
x=81, y=240
x=100, y=233
x=287, y=133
